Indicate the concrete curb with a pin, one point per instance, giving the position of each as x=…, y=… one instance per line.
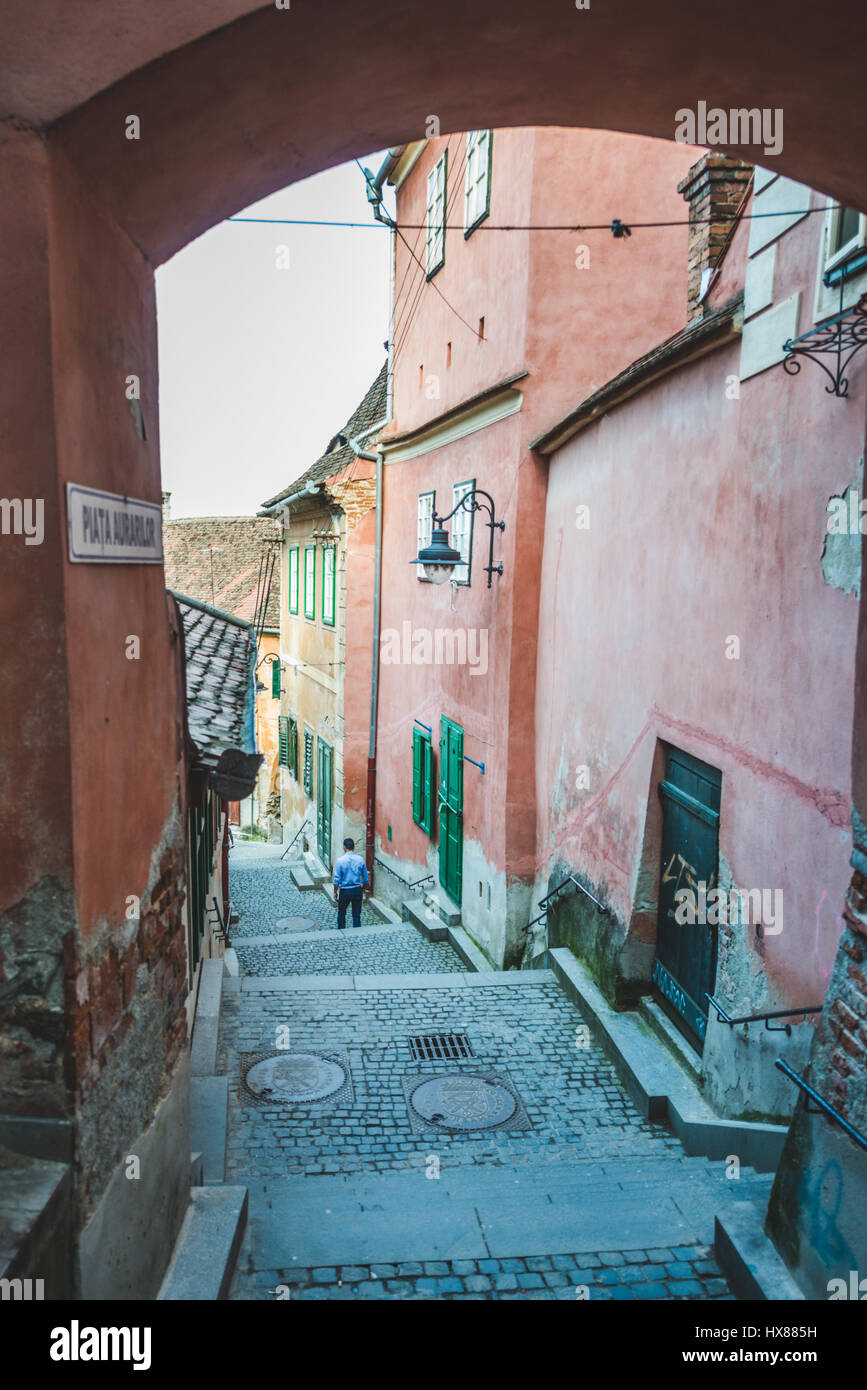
x=289, y=938
x=206, y=1251
x=747, y=1258
x=661, y=1089
x=206, y=1025
x=447, y=979
x=469, y=952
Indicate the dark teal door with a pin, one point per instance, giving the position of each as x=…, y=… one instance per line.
x=685, y=965
x=451, y=850
x=323, y=803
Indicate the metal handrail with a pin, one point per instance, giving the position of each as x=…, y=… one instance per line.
x=428, y=878
x=757, y=1018
x=553, y=893
x=306, y=821
x=828, y=1109
x=578, y=884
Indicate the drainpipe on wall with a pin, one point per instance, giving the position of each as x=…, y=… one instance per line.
x=370, y=815
x=385, y=169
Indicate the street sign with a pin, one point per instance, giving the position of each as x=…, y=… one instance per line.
x=106, y=529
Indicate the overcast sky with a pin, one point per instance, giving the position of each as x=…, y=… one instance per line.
x=260, y=366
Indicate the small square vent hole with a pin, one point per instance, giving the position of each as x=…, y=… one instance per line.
x=440, y=1047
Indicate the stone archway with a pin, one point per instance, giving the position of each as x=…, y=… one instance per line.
x=90, y=744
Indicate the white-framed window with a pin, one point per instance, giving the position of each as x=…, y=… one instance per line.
x=426, y=508
x=293, y=579
x=435, y=217
x=462, y=532
x=328, y=555
x=843, y=235
x=477, y=188
x=310, y=581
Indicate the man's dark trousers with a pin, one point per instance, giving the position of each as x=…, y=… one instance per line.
x=345, y=896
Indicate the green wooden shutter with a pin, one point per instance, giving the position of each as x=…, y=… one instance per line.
x=275, y=680
x=428, y=790
x=293, y=747
x=283, y=740
x=422, y=791
x=417, y=769
x=308, y=763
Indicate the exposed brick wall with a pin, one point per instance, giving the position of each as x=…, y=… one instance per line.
x=845, y=1018
x=126, y=1003
x=713, y=188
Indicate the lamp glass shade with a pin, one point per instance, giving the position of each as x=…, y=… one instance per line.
x=438, y=574
x=438, y=559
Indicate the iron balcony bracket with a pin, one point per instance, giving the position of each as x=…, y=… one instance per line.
x=759, y=1018
x=821, y=1106
x=839, y=338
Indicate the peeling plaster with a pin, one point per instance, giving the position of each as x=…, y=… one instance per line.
x=841, y=553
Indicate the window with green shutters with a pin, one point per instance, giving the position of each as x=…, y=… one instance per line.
x=308, y=763
x=310, y=581
x=422, y=780
x=328, y=558
x=275, y=680
x=287, y=737
x=293, y=579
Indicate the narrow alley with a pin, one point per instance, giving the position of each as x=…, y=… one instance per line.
x=563, y=1192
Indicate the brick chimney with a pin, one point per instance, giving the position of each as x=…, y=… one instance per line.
x=713, y=188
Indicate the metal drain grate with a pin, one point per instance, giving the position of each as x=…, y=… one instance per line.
x=440, y=1047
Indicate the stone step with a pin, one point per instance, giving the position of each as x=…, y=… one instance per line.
x=206, y=1252
x=661, y=1025
x=474, y=1213
x=446, y=910
x=315, y=868
x=209, y=1103
x=301, y=877
x=425, y=919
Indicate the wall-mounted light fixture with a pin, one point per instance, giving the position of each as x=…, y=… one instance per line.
x=439, y=559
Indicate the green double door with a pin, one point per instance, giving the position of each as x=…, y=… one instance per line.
x=451, y=808
x=686, y=952
x=324, y=785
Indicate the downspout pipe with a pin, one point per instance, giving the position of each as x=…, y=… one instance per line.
x=370, y=813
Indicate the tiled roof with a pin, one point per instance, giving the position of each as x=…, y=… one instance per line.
x=339, y=455
x=220, y=675
x=217, y=559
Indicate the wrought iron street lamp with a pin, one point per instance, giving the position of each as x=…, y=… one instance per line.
x=439, y=559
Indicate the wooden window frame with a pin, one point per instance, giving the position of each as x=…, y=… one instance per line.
x=469, y=187
x=468, y=485
x=294, y=562
x=420, y=575
x=311, y=614
x=434, y=231
x=332, y=551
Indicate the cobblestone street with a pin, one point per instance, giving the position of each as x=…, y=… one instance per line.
x=355, y=1195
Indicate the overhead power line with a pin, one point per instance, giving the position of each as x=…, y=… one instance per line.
x=543, y=227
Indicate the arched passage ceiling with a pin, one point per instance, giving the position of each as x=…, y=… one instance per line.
x=230, y=113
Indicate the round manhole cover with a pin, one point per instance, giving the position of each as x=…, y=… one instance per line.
x=463, y=1102
x=298, y=1076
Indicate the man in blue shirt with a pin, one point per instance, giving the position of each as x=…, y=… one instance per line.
x=350, y=880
